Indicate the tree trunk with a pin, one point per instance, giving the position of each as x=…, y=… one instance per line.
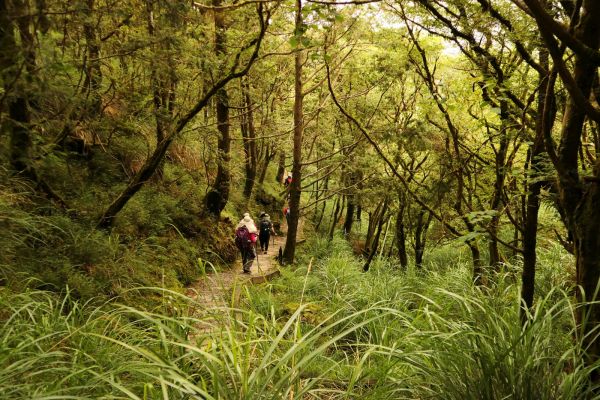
x=401, y=237
x=218, y=196
x=545, y=119
x=163, y=84
x=477, y=263
x=375, y=241
x=93, y=73
x=496, y=201
x=334, y=217
x=323, y=207
x=587, y=253
x=374, y=219
x=296, y=185
x=580, y=197
x=249, y=141
x=422, y=225
x=280, y=167
x=350, y=208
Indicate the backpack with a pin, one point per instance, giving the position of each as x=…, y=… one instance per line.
x=265, y=226
x=242, y=238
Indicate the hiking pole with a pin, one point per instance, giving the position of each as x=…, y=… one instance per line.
x=257, y=262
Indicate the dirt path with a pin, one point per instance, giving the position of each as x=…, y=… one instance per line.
x=215, y=290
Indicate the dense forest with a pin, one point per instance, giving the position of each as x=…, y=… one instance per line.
x=439, y=236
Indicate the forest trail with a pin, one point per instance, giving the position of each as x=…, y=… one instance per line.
x=221, y=289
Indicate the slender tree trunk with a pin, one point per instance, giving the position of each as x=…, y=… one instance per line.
x=401, y=237
x=323, y=207
x=93, y=72
x=156, y=84
x=375, y=241
x=249, y=139
x=534, y=186
x=163, y=85
x=296, y=185
x=422, y=225
x=334, y=217
x=373, y=219
x=496, y=202
x=280, y=167
x=218, y=196
x=350, y=208
x=350, y=180
x=477, y=263
x=385, y=236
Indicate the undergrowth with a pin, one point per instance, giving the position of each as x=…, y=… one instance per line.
x=322, y=331
x=157, y=241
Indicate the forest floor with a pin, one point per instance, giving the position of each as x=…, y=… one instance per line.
x=218, y=290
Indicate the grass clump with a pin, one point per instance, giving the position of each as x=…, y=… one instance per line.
x=440, y=337
x=68, y=349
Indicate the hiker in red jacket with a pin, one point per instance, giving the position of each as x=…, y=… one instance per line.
x=245, y=240
x=286, y=212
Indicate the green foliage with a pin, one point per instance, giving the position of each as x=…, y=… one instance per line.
x=325, y=330
x=443, y=338
x=73, y=349
x=56, y=251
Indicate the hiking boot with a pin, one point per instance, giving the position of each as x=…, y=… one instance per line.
x=246, y=271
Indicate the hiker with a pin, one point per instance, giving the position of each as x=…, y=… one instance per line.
x=264, y=235
x=245, y=240
x=288, y=181
x=286, y=212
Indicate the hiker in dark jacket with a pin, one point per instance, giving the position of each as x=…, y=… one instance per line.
x=265, y=229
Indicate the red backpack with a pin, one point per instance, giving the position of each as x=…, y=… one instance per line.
x=243, y=241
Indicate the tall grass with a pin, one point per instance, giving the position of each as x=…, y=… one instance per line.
x=60, y=348
x=323, y=331
x=442, y=337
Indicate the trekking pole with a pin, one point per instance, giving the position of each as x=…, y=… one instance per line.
x=257, y=262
